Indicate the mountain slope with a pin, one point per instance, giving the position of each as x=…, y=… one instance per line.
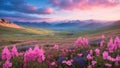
x=8, y=28
x=6, y=23
x=109, y=31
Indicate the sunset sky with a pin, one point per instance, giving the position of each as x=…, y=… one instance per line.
x=57, y=10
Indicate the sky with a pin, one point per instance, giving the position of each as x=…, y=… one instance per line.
x=58, y=10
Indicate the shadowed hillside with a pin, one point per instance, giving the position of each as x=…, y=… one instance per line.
x=110, y=31
x=8, y=28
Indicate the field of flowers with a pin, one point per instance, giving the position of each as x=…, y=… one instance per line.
x=80, y=55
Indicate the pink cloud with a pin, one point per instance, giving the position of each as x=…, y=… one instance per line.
x=49, y=10
x=84, y=4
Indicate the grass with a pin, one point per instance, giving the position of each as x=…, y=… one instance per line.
x=110, y=31
x=24, y=31
x=13, y=36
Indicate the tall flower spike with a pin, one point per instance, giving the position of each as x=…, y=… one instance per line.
x=41, y=56
x=6, y=55
x=78, y=42
x=39, y=53
x=81, y=42
x=85, y=41
x=117, y=42
x=14, y=51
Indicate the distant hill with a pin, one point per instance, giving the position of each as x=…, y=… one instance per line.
x=72, y=25
x=111, y=30
x=34, y=24
x=6, y=23
x=116, y=24
x=7, y=31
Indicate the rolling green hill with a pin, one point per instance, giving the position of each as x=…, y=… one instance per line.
x=109, y=31
x=23, y=31
x=113, y=28
x=8, y=28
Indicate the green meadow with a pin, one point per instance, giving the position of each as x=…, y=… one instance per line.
x=9, y=36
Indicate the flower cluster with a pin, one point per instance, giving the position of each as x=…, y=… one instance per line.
x=81, y=42
x=104, y=55
x=32, y=55
x=7, y=55
x=113, y=45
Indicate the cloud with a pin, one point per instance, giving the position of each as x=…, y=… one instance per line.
x=21, y=17
x=83, y=4
x=23, y=7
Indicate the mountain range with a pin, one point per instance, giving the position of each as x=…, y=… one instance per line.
x=72, y=25
x=63, y=28
x=69, y=26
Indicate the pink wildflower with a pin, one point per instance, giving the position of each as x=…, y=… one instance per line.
x=53, y=63
x=105, y=55
x=85, y=41
x=103, y=37
x=7, y=64
x=81, y=42
x=36, y=49
x=117, y=58
x=69, y=62
x=97, y=51
x=80, y=54
x=32, y=55
x=117, y=42
x=29, y=56
x=94, y=62
x=6, y=55
x=89, y=57
x=108, y=65
x=111, y=46
x=90, y=66
x=91, y=52
x=55, y=47
x=111, y=59
x=39, y=53
x=14, y=51
x=41, y=56
x=101, y=43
